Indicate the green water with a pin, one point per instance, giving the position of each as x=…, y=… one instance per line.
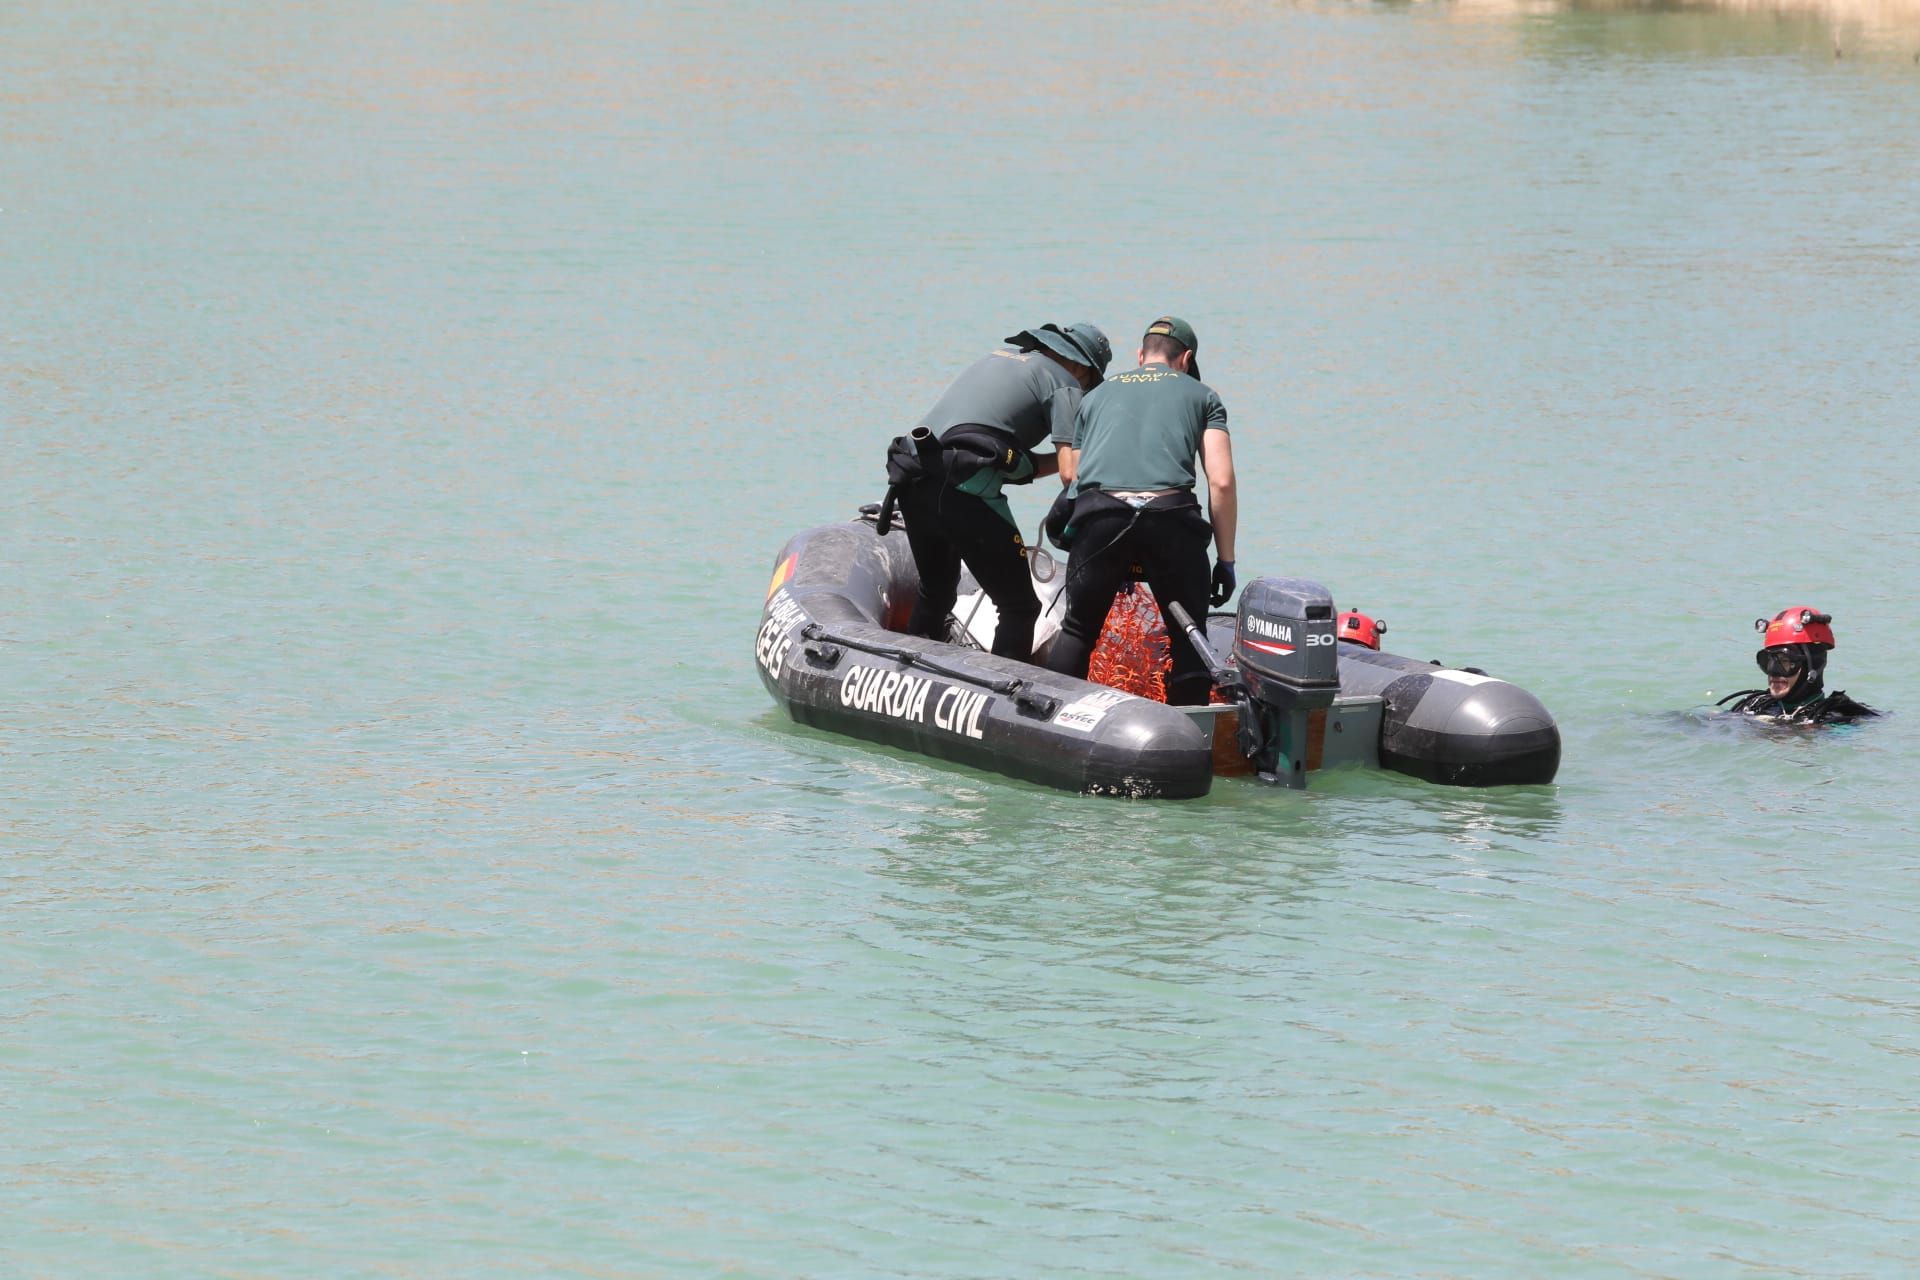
x=405, y=873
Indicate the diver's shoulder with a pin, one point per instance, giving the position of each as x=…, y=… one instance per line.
x=1838, y=706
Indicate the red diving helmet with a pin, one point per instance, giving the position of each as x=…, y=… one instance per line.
x=1359, y=628
x=1794, y=639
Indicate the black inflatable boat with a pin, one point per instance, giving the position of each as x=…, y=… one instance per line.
x=830, y=650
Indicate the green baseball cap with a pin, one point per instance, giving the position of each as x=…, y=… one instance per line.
x=1081, y=343
x=1181, y=332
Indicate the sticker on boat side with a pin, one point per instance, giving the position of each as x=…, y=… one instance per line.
x=1084, y=712
x=901, y=695
x=781, y=573
x=1466, y=677
x=775, y=641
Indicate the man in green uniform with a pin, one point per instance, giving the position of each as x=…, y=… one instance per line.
x=987, y=425
x=1135, y=513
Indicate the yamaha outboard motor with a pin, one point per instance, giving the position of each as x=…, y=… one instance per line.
x=1285, y=648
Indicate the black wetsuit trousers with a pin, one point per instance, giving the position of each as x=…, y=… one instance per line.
x=1110, y=549
x=946, y=527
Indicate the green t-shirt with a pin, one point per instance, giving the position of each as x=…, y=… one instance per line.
x=1021, y=393
x=1141, y=430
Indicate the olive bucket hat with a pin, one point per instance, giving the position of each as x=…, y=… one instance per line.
x=1181, y=332
x=1081, y=343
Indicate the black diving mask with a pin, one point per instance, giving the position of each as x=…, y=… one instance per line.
x=1780, y=662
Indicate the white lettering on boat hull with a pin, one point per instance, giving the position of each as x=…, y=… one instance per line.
x=775, y=641
x=901, y=695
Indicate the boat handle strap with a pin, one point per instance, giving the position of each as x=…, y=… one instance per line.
x=1027, y=701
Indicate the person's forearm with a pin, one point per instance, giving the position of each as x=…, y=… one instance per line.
x=1068, y=462
x=1045, y=464
x=1223, y=505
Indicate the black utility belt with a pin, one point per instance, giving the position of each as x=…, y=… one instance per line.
x=1067, y=515
x=1093, y=501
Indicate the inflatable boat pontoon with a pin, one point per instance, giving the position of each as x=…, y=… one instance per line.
x=831, y=651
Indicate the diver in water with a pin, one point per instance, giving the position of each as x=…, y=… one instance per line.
x=1793, y=653
x=1357, y=628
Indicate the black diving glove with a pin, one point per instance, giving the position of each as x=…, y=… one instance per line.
x=1223, y=582
x=1058, y=521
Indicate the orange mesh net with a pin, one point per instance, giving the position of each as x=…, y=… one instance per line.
x=1133, y=653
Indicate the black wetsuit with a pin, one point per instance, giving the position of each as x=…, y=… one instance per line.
x=1832, y=708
